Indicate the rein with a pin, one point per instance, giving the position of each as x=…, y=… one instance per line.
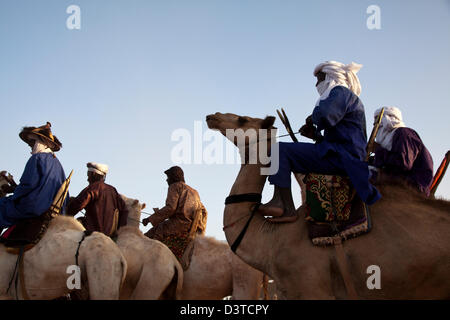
x=239, y=198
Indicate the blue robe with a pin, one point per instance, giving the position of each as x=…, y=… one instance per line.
x=341, y=151
x=40, y=181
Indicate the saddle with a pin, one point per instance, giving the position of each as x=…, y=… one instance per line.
x=333, y=209
x=26, y=233
x=182, y=245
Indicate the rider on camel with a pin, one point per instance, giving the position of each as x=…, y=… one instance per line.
x=341, y=150
x=176, y=219
x=40, y=181
x=105, y=209
x=399, y=151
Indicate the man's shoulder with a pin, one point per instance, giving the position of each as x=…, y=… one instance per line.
x=406, y=133
x=45, y=159
x=341, y=90
x=345, y=94
x=107, y=186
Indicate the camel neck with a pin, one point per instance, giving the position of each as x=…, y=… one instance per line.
x=249, y=180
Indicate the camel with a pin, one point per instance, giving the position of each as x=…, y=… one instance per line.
x=46, y=272
x=409, y=241
x=216, y=272
x=153, y=271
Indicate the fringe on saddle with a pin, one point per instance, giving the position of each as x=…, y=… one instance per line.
x=333, y=209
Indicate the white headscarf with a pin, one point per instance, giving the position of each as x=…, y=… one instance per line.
x=98, y=168
x=338, y=74
x=40, y=147
x=392, y=120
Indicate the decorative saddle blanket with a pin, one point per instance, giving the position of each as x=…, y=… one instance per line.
x=181, y=247
x=26, y=233
x=333, y=209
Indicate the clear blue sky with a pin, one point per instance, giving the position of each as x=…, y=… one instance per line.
x=116, y=89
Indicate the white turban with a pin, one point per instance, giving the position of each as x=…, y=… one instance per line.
x=338, y=74
x=101, y=169
x=392, y=119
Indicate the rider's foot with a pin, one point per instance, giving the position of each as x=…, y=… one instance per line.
x=289, y=213
x=274, y=207
x=285, y=218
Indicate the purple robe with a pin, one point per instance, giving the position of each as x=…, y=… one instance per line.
x=408, y=159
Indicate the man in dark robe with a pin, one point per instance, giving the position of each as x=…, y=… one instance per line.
x=339, y=151
x=401, y=153
x=105, y=209
x=40, y=181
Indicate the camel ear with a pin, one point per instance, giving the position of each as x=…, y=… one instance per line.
x=143, y=206
x=135, y=202
x=268, y=122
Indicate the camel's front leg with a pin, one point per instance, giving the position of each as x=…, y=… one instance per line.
x=7, y=263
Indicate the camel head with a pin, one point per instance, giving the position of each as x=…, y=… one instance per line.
x=134, y=210
x=229, y=122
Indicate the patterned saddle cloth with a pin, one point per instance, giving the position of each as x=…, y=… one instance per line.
x=26, y=233
x=182, y=247
x=334, y=209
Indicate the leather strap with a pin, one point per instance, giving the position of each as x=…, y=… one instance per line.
x=85, y=234
x=238, y=198
x=245, y=197
x=342, y=263
x=239, y=238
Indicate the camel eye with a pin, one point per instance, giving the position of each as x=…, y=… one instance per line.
x=242, y=121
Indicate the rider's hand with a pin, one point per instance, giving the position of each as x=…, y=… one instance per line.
x=8, y=188
x=308, y=131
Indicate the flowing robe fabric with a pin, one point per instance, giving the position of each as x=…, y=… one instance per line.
x=40, y=181
x=341, y=150
x=100, y=201
x=176, y=217
x=408, y=159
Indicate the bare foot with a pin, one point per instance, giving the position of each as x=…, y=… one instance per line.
x=273, y=208
x=289, y=215
x=283, y=219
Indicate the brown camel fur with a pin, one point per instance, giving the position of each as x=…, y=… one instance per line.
x=410, y=242
x=216, y=272
x=153, y=271
x=102, y=265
